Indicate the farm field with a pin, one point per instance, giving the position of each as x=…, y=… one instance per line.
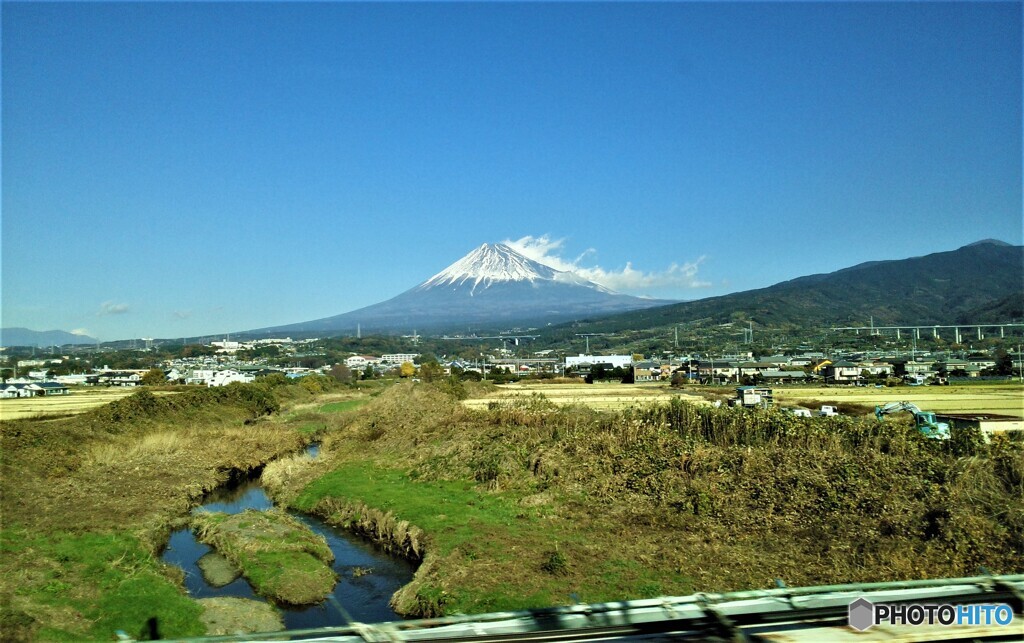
x=1003, y=399
x=78, y=400
x=602, y=395
x=998, y=398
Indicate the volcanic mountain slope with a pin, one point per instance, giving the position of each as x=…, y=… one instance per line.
x=492, y=287
x=979, y=283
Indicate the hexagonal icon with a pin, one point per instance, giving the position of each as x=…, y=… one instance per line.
x=862, y=614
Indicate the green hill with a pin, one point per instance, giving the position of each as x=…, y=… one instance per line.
x=982, y=282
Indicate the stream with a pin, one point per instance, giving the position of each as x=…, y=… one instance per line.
x=367, y=576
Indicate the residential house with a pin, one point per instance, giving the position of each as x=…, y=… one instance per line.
x=53, y=388
x=122, y=379
x=718, y=371
x=646, y=371
x=225, y=377
x=775, y=375
x=842, y=372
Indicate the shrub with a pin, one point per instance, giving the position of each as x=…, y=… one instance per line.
x=555, y=562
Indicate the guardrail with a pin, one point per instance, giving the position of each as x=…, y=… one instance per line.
x=795, y=614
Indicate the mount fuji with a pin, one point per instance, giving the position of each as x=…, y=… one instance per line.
x=493, y=286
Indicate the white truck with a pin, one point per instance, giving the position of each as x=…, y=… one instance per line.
x=828, y=411
x=752, y=397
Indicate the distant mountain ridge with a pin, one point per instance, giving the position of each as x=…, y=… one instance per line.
x=24, y=337
x=978, y=283
x=493, y=286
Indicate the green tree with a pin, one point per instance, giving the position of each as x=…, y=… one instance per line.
x=312, y=384
x=431, y=372
x=1004, y=362
x=197, y=350
x=153, y=376
x=341, y=373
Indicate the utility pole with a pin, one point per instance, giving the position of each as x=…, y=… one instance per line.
x=588, y=336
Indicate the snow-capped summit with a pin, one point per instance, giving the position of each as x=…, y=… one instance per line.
x=496, y=263
x=490, y=263
x=492, y=286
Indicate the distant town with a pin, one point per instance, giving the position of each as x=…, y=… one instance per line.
x=222, y=362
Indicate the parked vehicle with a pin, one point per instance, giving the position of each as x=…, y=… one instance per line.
x=800, y=413
x=828, y=411
x=752, y=396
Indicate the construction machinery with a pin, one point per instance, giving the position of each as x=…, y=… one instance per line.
x=924, y=420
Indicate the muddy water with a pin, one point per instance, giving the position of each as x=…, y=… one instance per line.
x=367, y=577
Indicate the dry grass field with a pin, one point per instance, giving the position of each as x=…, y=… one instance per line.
x=524, y=505
x=603, y=396
x=1005, y=399
x=78, y=400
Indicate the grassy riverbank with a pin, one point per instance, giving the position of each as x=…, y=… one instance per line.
x=518, y=504
x=88, y=501
x=525, y=504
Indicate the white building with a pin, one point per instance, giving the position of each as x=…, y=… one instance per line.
x=226, y=346
x=71, y=379
x=359, y=362
x=616, y=361
x=397, y=359
x=200, y=376
x=223, y=378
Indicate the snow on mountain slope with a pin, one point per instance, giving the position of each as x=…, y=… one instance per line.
x=490, y=264
x=491, y=286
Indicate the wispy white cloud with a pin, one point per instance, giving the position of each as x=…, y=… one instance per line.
x=112, y=308
x=548, y=251
x=80, y=331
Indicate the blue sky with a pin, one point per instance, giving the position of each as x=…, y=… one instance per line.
x=173, y=170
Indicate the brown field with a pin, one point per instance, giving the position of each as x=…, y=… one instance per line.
x=603, y=396
x=1004, y=399
x=78, y=400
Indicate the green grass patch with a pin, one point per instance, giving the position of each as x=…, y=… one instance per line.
x=341, y=407
x=455, y=512
x=109, y=579
x=309, y=428
x=135, y=600
x=282, y=558
x=507, y=556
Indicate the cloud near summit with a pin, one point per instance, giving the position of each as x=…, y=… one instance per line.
x=547, y=251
